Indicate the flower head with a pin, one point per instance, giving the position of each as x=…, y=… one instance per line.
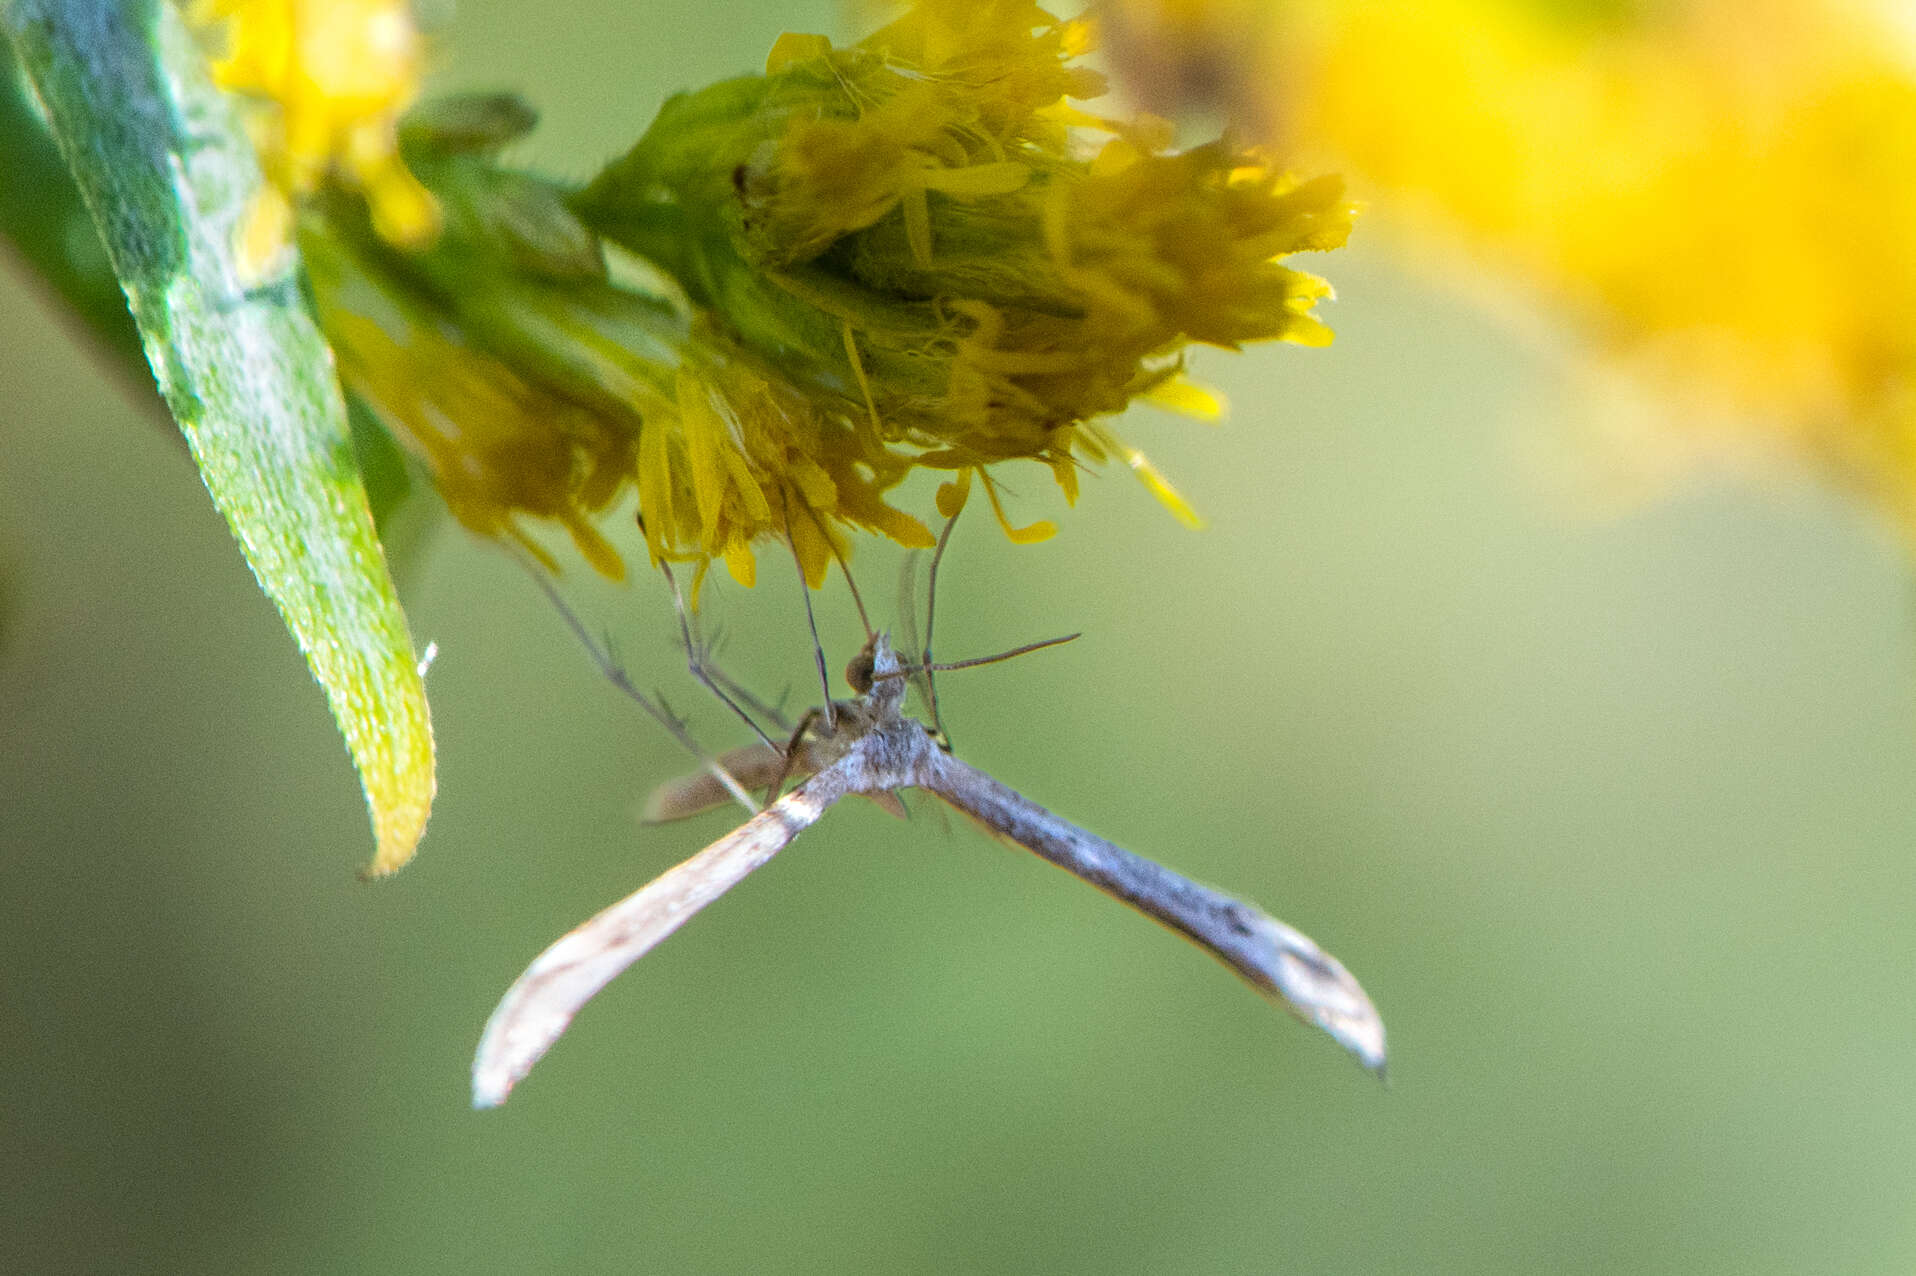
x=912, y=252
x=535, y=387
x=922, y=231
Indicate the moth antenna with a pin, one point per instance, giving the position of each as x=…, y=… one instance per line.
x=975, y=661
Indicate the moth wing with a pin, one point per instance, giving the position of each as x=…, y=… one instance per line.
x=755, y=767
x=536, y=1010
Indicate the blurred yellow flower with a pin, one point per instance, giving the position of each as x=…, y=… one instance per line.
x=1719, y=196
x=327, y=81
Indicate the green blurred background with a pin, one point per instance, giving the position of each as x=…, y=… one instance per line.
x=1613, y=817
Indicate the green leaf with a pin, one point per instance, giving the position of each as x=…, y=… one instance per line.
x=166, y=170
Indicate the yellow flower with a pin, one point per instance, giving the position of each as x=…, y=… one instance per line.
x=913, y=252
x=327, y=81
x=498, y=444
x=921, y=231
x=534, y=387
x=1718, y=196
